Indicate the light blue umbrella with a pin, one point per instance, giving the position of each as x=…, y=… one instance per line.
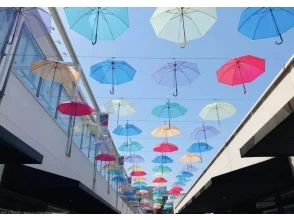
x=162, y=168
x=98, y=23
x=134, y=159
x=119, y=179
x=162, y=159
x=182, y=179
x=127, y=130
x=139, y=184
x=266, y=22
x=144, y=187
x=199, y=147
x=178, y=183
x=112, y=72
x=130, y=146
x=185, y=174
x=169, y=110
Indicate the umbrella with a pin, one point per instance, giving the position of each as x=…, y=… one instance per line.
x=190, y=168
x=138, y=173
x=119, y=179
x=259, y=23
x=75, y=108
x=37, y=20
x=55, y=71
x=185, y=174
x=98, y=23
x=190, y=158
x=90, y=125
x=101, y=146
x=136, y=167
x=165, y=147
x=112, y=72
x=178, y=183
x=134, y=159
x=119, y=107
x=176, y=73
x=111, y=166
x=169, y=110
x=162, y=159
x=181, y=179
x=139, y=179
x=139, y=184
x=105, y=157
x=241, y=70
x=160, y=174
x=166, y=131
x=199, y=147
x=159, y=180
x=161, y=168
x=129, y=147
x=217, y=111
x=172, y=197
x=127, y=130
x=125, y=187
x=182, y=24
x=143, y=191
x=128, y=193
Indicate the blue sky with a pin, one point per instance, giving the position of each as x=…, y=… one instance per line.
x=221, y=42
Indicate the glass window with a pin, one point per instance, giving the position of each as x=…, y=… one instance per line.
x=6, y=22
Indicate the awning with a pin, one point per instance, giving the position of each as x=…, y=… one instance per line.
x=278, y=142
x=15, y=151
x=239, y=190
x=54, y=189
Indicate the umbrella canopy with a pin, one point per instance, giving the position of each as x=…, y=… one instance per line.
x=36, y=20
x=189, y=168
x=162, y=168
x=120, y=108
x=165, y=147
x=111, y=166
x=182, y=24
x=199, y=147
x=160, y=174
x=127, y=130
x=75, y=108
x=139, y=184
x=185, y=174
x=128, y=193
x=135, y=179
x=181, y=179
x=162, y=159
x=190, y=158
x=259, y=23
x=89, y=125
x=180, y=184
x=169, y=110
x=174, y=193
x=130, y=146
x=115, y=172
x=241, y=70
x=105, y=157
x=218, y=111
x=143, y=191
x=159, y=180
x=138, y=173
x=98, y=23
x=119, y=179
x=102, y=146
x=136, y=167
x=205, y=132
x=134, y=158
x=125, y=187
x=112, y=72
x=172, y=197
x=176, y=73
x=140, y=187
x=166, y=131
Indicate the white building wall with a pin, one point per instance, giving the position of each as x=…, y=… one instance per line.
x=230, y=158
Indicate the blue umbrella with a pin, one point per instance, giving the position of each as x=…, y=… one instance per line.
x=119, y=179
x=141, y=187
x=98, y=23
x=266, y=22
x=161, y=168
x=162, y=159
x=127, y=130
x=112, y=72
x=169, y=110
x=139, y=184
x=199, y=147
x=182, y=179
x=128, y=193
x=178, y=183
x=185, y=174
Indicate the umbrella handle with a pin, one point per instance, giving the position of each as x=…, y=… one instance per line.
x=185, y=43
x=176, y=93
x=112, y=90
x=278, y=43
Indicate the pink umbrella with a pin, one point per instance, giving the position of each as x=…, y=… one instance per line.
x=75, y=108
x=138, y=173
x=241, y=70
x=165, y=147
x=105, y=157
x=159, y=180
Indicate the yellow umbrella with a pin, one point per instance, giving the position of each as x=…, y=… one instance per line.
x=159, y=184
x=90, y=125
x=160, y=174
x=157, y=204
x=139, y=178
x=111, y=166
x=136, y=167
x=166, y=131
x=190, y=158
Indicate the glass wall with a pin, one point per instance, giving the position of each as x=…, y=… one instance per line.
x=6, y=22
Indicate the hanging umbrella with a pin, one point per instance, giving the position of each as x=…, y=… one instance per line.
x=143, y=191
x=160, y=174
x=127, y=130
x=199, y=147
x=119, y=179
x=159, y=180
x=136, y=167
x=128, y=193
x=138, y=173
x=172, y=197
x=139, y=179
x=162, y=159
x=111, y=166
x=140, y=187
x=55, y=71
x=120, y=108
x=241, y=70
x=105, y=157
x=178, y=183
x=125, y=187
x=190, y=158
x=189, y=168
x=98, y=23
x=169, y=110
x=176, y=73
x=162, y=168
x=166, y=131
x=165, y=147
x=185, y=174
x=259, y=23
x=37, y=20
x=133, y=158
x=217, y=111
x=129, y=147
x=89, y=125
x=174, y=193
x=181, y=179
x=139, y=184
x=182, y=24
x=112, y=72
x=75, y=108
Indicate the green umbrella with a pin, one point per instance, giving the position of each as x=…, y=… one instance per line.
x=182, y=24
x=217, y=111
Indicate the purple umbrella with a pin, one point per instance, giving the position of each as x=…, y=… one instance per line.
x=205, y=132
x=134, y=158
x=176, y=73
x=190, y=168
x=37, y=20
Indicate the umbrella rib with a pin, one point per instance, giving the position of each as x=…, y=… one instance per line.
x=88, y=13
x=103, y=16
x=188, y=16
x=264, y=14
x=116, y=16
x=240, y=26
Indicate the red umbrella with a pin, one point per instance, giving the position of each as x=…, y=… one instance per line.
x=176, y=189
x=135, y=206
x=138, y=173
x=105, y=157
x=241, y=70
x=159, y=180
x=165, y=147
x=75, y=108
